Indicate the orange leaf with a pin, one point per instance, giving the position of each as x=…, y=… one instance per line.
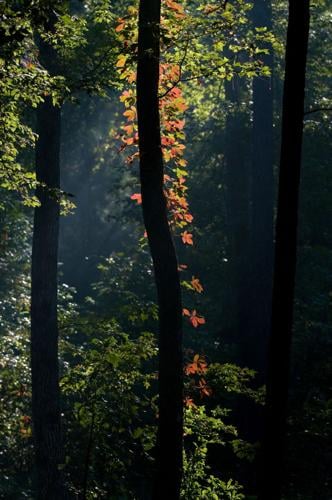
x=196, y=320
x=189, y=402
x=132, y=77
x=198, y=365
x=129, y=129
x=137, y=197
x=121, y=62
x=128, y=140
x=187, y=238
x=191, y=369
x=196, y=285
x=206, y=391
x=130, y=113
x=188, y=217
x=120, y=26
x=175, y=92
x=200, y=320
x=178, y=9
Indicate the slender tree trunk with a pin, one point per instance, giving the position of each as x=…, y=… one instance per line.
x=170, y=428
x=285, y=248
x=238, y=190
x=237, y=212
x=44, y=327
x=262, y=198
x=259, y=259
x=260, y=256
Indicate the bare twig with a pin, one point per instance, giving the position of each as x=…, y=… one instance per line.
x=317, y=110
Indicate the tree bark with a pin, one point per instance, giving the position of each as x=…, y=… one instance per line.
x=46, y=415
x=237, y=212
x=285, y=248
x=248, y=415
x=170, y=419
x=262, y=198
x=259, y=258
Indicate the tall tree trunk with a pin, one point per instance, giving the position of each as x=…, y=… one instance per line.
x=262, y=198
x=237, y=212
x=260, y=255
x=258, y=300
x=285, y=248
x=238, y=190
x=44, y=327
x=170, y=419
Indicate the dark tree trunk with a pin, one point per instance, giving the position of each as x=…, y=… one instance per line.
x=260, y=256
x=285, y=248
x=258, y=300
x=262, y=198
x=239, y=230
x=237, y=212
x=44, y=327
x=170, y=420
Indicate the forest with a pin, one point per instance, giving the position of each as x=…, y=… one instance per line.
x=165, y=249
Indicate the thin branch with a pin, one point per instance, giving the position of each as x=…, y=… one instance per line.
x=180, y=72
x=316, y=110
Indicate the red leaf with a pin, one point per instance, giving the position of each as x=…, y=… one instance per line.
x=137, y=197
x=189, y=402
x=196, y=285
x=196, y=320
x=187, y=238
x=120, y=26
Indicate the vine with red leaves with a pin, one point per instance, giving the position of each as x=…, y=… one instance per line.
x=172, y=106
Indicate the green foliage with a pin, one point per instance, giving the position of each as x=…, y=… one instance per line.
x=15, y=422
x=230, y=378
x=15, y=385
x=84, y=44
x=108, y=361
x=108, y=413
x=23, y=84
x=201, y=430
x=108, y=384
x=125, y=290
